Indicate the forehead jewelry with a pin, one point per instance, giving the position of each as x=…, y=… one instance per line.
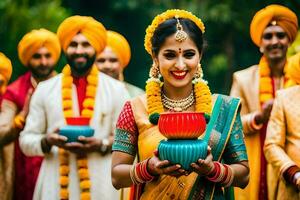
x=180, y=35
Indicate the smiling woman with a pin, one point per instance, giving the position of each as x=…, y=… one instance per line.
x=174, y=41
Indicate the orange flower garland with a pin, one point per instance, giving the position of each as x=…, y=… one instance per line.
x=155, y=105
x=87, y=111
x=265, y=81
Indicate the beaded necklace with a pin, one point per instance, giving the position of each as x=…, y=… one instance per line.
x=178, y=105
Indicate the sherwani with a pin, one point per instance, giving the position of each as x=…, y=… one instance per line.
x=282, y=144
x=246, y=86
x=46, y=114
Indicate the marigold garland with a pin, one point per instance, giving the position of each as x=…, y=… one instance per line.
x=155, y=105
x=165, y=16
x=265, y=81
x=87, y=111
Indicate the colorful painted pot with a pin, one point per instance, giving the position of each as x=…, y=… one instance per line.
x=183, y=152
x=73, y=132
x=182, y=125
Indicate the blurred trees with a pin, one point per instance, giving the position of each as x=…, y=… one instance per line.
x=17, y=17
x=229, y=47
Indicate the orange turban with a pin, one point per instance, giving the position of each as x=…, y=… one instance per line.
x=5, y=67
x=120, y=46
x=93, y=30
x=293, y=68
x=34, y=40
x=284, y=17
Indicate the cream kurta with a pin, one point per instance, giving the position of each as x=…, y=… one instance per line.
x=46, y=114
x=282, y=144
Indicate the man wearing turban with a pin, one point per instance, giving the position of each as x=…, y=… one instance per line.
x=115, y=58
x=272, y=29
x=78, y=169
x=282, y=140
x=39, y=51
x=6, y=182
x=5, y=73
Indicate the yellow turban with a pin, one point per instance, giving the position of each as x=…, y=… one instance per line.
x=34, y=40
x=284, y=17
x=5, y=67
x=293, y=68
x=93, y=30
x=120, y=46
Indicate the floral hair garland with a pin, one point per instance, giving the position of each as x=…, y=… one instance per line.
x=87, y=111
x=165, y=16
x=153, y=84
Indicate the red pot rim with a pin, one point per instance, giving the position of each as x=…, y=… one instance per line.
x=180, y=113
x=83, y=121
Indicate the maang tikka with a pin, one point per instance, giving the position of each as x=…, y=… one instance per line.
x=180, y=34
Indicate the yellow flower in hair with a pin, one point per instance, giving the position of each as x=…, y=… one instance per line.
x=165, y=16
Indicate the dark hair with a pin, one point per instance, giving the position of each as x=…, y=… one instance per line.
x=168, y=28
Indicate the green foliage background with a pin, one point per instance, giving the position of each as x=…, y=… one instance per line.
x=229, y=47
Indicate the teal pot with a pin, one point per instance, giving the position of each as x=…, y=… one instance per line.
x=183, y=152
x=73, y=132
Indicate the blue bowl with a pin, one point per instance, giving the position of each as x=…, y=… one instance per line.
x=73, y=132
x=183, y=152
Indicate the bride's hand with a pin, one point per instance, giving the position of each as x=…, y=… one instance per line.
x=204, y=167
x=158, y=167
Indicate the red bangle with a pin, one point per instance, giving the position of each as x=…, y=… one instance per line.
x=139, y=173
x=216, y=172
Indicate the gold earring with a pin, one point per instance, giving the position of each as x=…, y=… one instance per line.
x=199, y=72
x=154, y=71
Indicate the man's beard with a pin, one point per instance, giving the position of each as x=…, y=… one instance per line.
x=80, y=68
x=41, y=74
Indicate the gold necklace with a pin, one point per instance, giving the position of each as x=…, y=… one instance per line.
x=178, y=105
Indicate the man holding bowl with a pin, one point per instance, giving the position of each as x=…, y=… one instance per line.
x=81, y=168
